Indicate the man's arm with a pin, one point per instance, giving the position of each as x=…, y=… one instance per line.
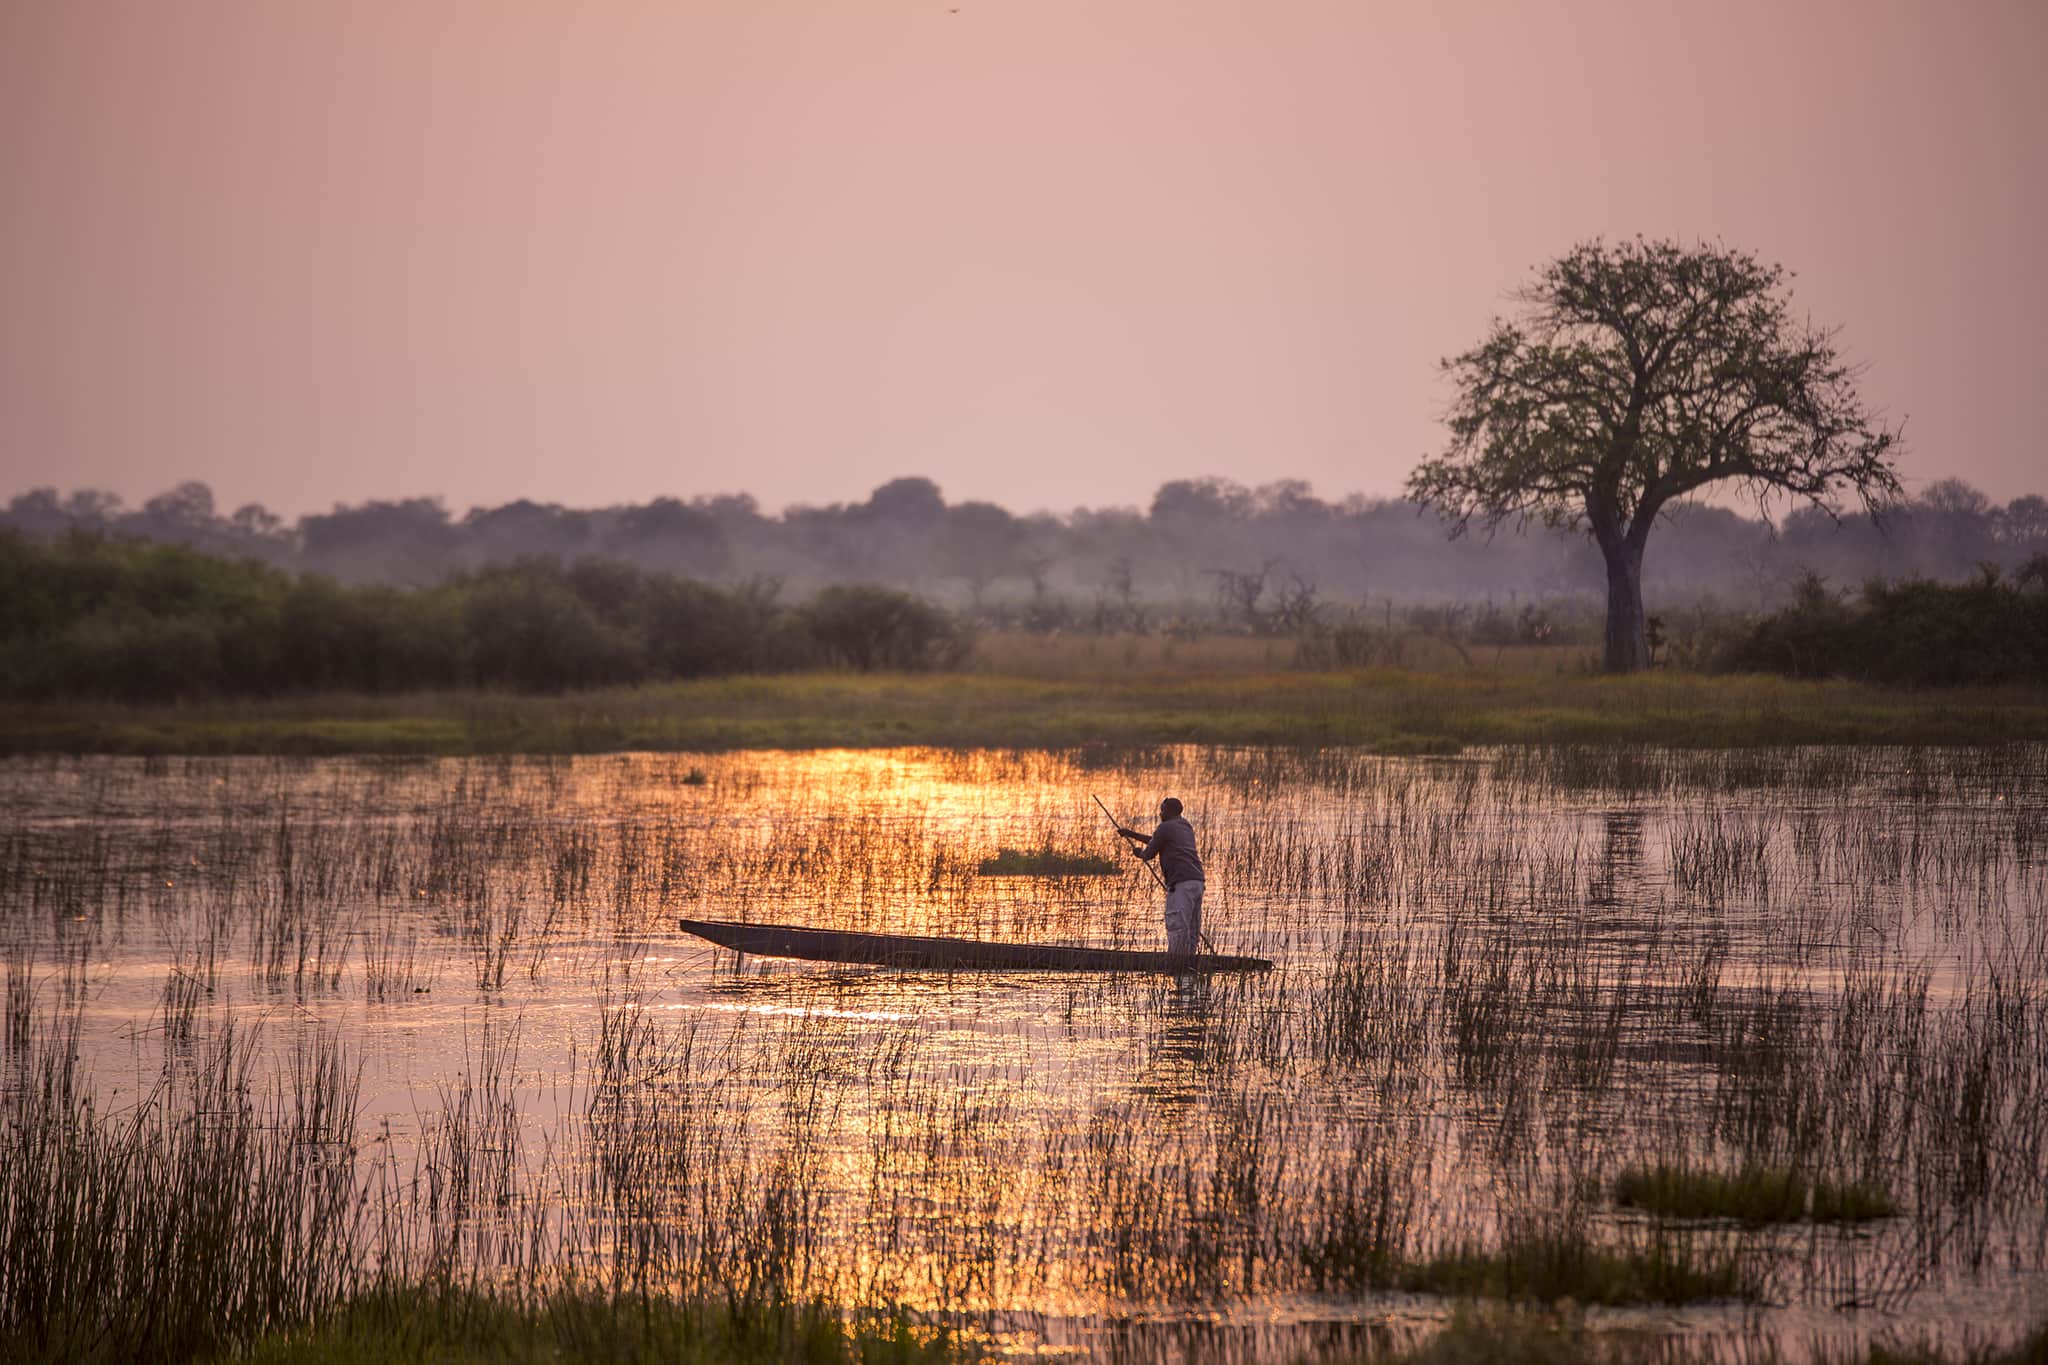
x=1150, y=842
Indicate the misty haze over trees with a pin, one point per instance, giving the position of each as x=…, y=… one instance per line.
x=1273, y=558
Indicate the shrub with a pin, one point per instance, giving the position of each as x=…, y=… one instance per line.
x=869, y=628
x=528, y=630
x=1914, y=633
x=92, y=618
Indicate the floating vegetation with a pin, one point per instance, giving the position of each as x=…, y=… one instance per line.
x=1046, y=862
x=1551, y=1268
x=1754, y=1196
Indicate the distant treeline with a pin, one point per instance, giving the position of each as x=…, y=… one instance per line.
x=87, y=617
x=1265, y=559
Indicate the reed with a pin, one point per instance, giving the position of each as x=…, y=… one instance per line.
x=1752, y=1195
x=441, y=1324
x=1529, y=1009
x=1666, y=1268
x=206, y=1213
x=1046, y=861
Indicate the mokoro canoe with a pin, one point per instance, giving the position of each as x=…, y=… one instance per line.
x=951, y=954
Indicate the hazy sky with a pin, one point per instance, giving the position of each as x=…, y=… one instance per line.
x=1047, y=252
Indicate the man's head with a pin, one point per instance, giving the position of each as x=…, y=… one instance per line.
x=1169, y=808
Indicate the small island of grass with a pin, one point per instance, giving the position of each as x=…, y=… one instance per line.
x=1047, y=862
x=1753, y=1196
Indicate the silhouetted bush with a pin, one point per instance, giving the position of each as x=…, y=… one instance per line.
x=870, y=628
x=1915, y=633
x=375, y=639
x=88, y=617
x=691, y=629
x=530, y=631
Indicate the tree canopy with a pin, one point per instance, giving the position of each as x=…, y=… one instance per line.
x=1638, y=373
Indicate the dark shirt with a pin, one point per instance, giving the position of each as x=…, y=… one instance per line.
x=1173, y=843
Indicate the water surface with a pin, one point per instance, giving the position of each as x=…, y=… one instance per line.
x=1501, y=980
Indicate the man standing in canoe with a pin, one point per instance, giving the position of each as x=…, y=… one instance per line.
x=1173, y=844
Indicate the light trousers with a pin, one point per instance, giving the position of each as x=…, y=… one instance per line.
x=1184, y=918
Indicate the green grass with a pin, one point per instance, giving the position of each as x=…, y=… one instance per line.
x=453, y=1327
x=1384, y=710
x=1753, y=1196
x=1047, y=862
x=1554, y=1269
x=449, y=1328
x=1497, y=1337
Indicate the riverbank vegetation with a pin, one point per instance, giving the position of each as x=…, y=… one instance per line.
x=1389, y=711
x=89, y=618
x=1203, y=549
x=1913, y=634
x=131, y=647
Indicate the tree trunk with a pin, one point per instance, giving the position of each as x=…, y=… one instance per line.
x=1628, y=643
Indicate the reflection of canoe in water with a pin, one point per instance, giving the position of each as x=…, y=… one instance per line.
x=951, y=954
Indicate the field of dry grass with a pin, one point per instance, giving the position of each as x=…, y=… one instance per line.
x=1164, y=657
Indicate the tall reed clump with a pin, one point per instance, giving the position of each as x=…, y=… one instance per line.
x=564, y=1327
x=1753, y=1195
x=194, y=1220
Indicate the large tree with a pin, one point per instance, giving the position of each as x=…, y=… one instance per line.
x=1637, y=373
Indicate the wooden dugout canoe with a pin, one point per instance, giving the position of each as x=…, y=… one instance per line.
x=951, y=954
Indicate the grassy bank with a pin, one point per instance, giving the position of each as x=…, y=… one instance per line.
x=1390, y=711
x=451, y=1328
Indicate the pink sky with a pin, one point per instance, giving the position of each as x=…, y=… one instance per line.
x=1047, y=252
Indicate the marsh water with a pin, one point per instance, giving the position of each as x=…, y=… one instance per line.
x=1502, y=981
